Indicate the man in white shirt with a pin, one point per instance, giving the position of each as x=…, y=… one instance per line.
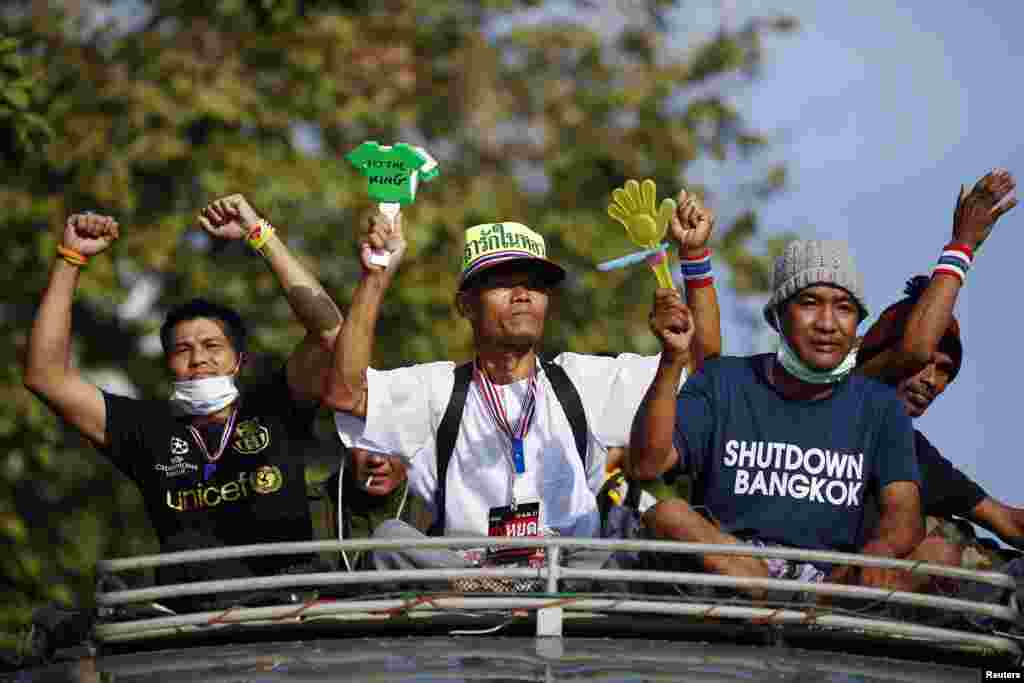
x=515, y=465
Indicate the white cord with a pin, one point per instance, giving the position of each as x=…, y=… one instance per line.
x=341, y=518
x=482, y=631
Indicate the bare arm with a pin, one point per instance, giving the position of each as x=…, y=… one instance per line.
x=707, y=338
x=929, y=319
x=309, y=364
x=973, y=220
x=691, y=228
x=347, y=384
x=1001, y=519
x=900, y=530
x=49, y=373
x=651, y=451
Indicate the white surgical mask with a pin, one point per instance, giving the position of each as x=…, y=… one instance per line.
x=795, y=366
x=203, y=396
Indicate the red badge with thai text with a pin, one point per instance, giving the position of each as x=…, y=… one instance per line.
x=521, y=521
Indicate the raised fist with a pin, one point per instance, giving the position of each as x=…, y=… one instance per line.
x=228, y=218
x=382, y=234
x=977, y=212
x=671, y=323
x=89, y=233
x=691, y=225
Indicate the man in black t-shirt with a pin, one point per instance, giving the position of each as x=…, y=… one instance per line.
x=254, y=491
x=215, y=466
x=915, y=346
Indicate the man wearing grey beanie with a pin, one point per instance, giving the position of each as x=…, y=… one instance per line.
x=782, y=447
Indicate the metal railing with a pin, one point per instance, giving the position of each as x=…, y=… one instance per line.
x=551, y=607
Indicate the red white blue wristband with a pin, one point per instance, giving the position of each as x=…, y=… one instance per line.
x=956, y=259
x=696, y=272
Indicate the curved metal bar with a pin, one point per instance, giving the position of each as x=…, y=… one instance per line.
x=148, y=628
x=419, y=576
x=833, y=589
x=312, y=547
x=314, y=580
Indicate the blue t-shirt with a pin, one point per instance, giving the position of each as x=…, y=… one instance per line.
x=790, y=472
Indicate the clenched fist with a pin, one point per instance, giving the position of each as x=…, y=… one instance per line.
x=691, y=225
x=89, y=233
x=382, y=234
x=672, y=324
x=228, y=218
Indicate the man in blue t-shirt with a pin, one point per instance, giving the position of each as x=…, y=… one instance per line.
x=783, y=447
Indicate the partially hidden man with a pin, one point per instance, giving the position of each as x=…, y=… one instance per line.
x=510, y=443
x=215, y=466
x=915, y=346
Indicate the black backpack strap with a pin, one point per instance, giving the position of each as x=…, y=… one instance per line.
x=447, y=432
x=565, y=392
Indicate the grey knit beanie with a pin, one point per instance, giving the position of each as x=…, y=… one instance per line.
x=814, y=262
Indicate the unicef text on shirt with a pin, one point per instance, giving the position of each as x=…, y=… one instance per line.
x=787, y=470
x=208, y=495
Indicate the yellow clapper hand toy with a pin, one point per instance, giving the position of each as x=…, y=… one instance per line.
x=633, y=206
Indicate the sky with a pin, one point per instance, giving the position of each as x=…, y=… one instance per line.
x=881, y=110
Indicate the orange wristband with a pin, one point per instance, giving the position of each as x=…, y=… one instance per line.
x=72, y=256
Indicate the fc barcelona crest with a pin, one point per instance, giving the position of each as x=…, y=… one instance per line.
x=250, y=437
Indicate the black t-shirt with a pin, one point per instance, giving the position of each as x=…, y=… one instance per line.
x=945, y=490
x=255, y=494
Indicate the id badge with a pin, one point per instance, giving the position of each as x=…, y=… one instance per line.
x=523, y=520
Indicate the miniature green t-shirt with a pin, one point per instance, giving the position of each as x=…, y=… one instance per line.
x=392, y=170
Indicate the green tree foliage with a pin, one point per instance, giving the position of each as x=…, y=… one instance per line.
x=149, y=109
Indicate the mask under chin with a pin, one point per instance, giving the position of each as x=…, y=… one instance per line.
x=203, y=396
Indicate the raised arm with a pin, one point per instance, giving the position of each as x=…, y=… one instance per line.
x=347, y=384
x=691, y=229
x=651, y=451
x=49, y=373
x=309, y=364
x=973, y=220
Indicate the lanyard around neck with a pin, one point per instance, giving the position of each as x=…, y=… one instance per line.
x=496, y=407
x=224, y=438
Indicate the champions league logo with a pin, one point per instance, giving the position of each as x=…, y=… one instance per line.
x=178, y=466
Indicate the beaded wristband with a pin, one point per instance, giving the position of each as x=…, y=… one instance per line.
x=260, y=234
x=72, y=256
x=696, y=272
x=956, y=259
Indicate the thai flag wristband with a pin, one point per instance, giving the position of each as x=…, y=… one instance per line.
x=259, y=235
x=696, y=272
x=956, y=259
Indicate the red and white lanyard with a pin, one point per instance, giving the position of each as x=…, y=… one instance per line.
x=225, y=437
x=496, y=406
